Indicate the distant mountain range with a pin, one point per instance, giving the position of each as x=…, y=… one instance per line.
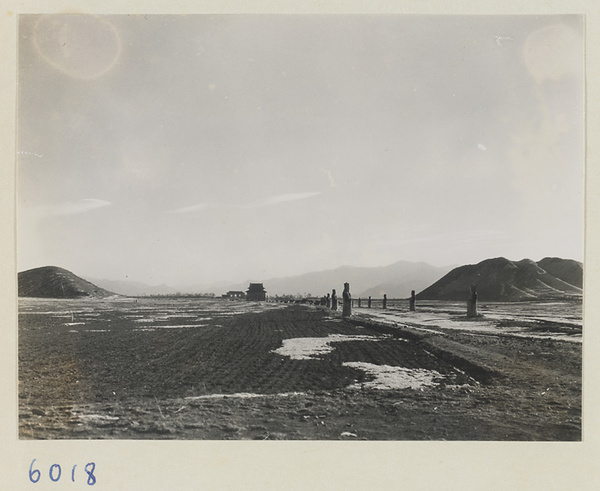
x=134, y=288
x=54, y=282
x=396, y=280
x=499, y=279
x=138, y=289
x=496, y=279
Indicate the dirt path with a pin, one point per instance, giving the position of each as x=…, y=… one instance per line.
x=226, y=381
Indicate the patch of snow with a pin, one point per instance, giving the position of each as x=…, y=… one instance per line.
x=89, y=330
x=391, y=377
x=98, y=417
x=180, y=326
x=308, y=348
x=442, y=321
x=243, y=395
x=95, y=330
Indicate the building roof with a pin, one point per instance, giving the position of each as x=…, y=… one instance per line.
x=256, y=287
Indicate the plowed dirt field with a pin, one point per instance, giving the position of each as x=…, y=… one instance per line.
x=167, y=369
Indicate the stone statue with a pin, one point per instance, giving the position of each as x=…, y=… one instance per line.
x=472, y=302
x=347, y=305
x=333, y=300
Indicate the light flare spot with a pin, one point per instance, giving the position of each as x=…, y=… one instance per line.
x=81, y=46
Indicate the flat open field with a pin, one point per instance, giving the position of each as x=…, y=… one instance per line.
x=214, y=369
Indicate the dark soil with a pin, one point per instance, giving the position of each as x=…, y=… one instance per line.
x=146, y=385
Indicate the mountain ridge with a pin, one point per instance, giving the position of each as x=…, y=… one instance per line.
x=56, y=282
x=396, y=280
x=499, y=279
x=133, y=288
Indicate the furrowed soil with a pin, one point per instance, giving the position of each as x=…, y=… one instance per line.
x=144, y=371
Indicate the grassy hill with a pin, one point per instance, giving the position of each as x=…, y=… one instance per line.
x=55, y=282
x=499, y=279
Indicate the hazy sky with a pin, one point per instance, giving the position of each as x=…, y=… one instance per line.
x=192, y=149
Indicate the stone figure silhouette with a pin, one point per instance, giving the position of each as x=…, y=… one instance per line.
x=347, y=305
x=472, y=302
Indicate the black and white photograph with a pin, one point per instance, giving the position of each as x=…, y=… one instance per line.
x=299, y=245
x=300, y=227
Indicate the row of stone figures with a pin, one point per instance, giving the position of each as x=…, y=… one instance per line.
x=348, y=303
x=332, y=301
x=411, y=301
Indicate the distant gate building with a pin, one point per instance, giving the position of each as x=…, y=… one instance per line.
x=256, y=293
x=234, y=294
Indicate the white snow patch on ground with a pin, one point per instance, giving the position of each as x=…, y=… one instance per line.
x=181, y=326
x=243, y=395
x=443, y=321
x=98, y=417
x=390, y=377
x=89, y=330
x=307, y=348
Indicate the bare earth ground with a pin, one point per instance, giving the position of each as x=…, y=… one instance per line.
x=169, y=371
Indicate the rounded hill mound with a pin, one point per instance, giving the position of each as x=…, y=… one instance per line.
x=55, y=282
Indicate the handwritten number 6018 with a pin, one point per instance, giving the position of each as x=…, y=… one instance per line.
x=55, y=472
